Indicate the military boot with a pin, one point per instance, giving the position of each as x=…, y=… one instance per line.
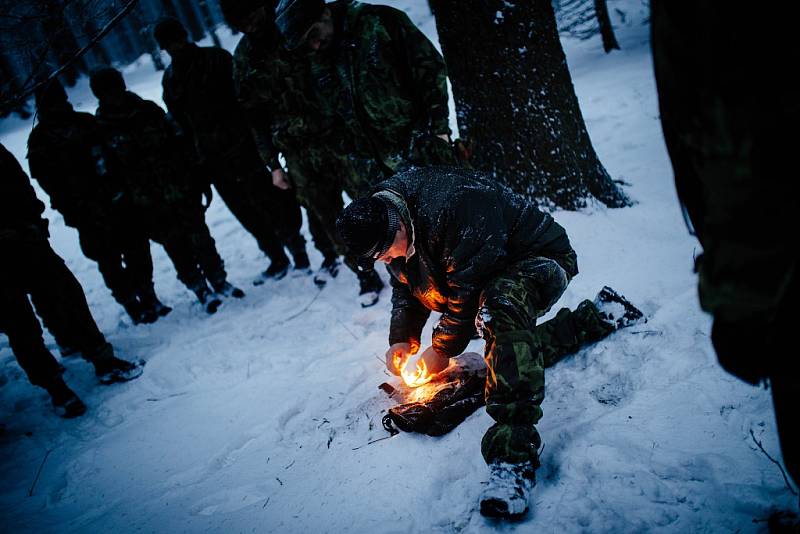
x=226, y=289
x=371, y=286
x=139, y=313
x=150, y=302
x=279, y=262
x=297, y=248
x=616, y=309
x=327, y=271
x=207, y=298
x=507, y=494
x=110, y=369
x=65, y=402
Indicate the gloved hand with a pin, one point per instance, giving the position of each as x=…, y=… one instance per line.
x=435, y=362
x=397, y=354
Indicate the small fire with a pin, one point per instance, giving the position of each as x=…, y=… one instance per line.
x=414, y=371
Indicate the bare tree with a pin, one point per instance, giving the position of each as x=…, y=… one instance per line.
x=584, y=19
x=515, y=99
x=36, y=36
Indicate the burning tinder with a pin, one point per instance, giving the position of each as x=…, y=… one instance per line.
x=414, y=371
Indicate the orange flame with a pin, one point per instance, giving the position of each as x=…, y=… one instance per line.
x=414, y=371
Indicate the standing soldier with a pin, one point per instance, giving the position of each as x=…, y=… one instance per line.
x=30, y=268
x=374, y=69
x=274, y=88
x=200, y=96
x=729, y=112
x=145, y=151
x=460, y=244
x=65, y=157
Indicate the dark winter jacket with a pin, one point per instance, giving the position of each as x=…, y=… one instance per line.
x=199, y=93
x=65, y=157
x=465, y=230
x=20, y=210
x=383, y=77
x=144, y=150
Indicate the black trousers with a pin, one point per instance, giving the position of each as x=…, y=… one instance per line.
x=32, y=269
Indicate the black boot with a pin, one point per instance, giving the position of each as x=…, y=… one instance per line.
x=137, y=312
x=327, y=271
x=226, y=289
x=371, y=286
x=110, y=369
x=65, y=401
x=297, y=248
x=616, y=309
x=507, y=494
x=149, y=301
x=208, y=299
x=275, y=271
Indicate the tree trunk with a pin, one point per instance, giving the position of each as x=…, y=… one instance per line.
x=514, y=97
x=606, y=30
x=208, y=22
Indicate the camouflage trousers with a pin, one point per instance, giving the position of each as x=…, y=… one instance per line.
x=319, y=176
x=518, y=351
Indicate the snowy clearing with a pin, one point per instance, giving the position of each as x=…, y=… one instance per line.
x=257, y=419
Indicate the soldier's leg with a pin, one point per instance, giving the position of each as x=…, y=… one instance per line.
x=180, y=251
x=204, y=247
x=19, y=323
x=250, y=209
x=135, y=248
x=61, y=303
x=569, y=331
x=98, y=246
x=510, y=305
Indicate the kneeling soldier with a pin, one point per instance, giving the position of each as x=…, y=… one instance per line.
x=459, y=243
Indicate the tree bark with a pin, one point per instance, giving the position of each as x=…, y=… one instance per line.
x=514, y=97
x=606, y=30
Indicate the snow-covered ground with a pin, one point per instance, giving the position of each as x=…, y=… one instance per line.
x=258, y=419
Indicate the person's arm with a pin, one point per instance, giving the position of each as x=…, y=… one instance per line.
x=428, y=73
x=408, y=316
x=478, y=248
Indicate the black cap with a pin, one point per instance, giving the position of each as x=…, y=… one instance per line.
x=106, y=81
x=295, y=17
x=368, y=227
x=169, y=31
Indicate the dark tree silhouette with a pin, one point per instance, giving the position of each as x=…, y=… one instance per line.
x=606, y=30
x=515, y=99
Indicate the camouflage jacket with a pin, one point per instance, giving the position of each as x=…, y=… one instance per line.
x=465, y=230
x=383, y=77
x=200, y=95
x=65, y=157
x=20, y=210
x=273, y=88
x=145, y=151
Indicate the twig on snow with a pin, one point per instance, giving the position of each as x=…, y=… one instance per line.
x=373, y=441
x=279, y=481
x=265, y=503
x=290, y=465
x=301, y=312
x=774, y=461
x=39, y=472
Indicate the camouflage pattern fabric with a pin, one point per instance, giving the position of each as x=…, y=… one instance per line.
x=384, y=80
x=517, y=351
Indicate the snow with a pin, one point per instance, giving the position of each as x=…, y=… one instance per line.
x=260, y=418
